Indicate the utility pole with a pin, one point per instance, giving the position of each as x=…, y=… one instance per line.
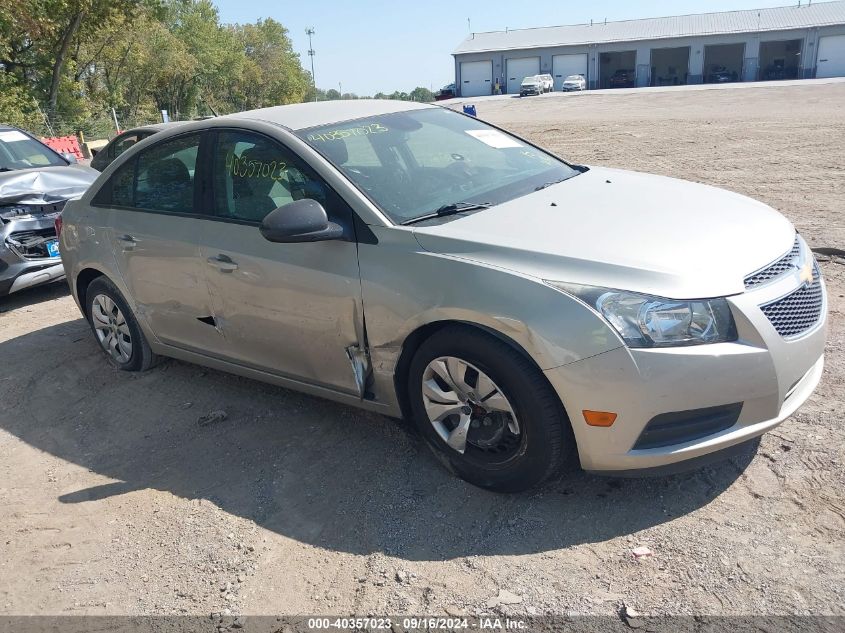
x=309, y=32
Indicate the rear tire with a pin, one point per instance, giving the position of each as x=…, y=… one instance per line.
x=116, y=328
x=504, y=452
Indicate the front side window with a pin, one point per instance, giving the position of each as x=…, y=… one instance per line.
x=254, y=175
x=412, y=163
x=165, y=176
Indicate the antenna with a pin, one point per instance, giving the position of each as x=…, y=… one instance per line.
x=309, y=32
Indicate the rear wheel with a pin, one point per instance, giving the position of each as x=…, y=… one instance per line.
x=116, y=328
x=486, y=411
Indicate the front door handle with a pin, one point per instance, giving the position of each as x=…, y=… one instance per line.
x=223, y=263
x=127, y=242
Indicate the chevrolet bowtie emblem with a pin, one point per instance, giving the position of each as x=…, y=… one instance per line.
x=806, y=273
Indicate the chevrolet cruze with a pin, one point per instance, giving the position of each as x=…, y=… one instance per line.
x=527, y=313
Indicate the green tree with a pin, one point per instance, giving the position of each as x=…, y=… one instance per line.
x=421, y=94
x=272, y=74
x=41, y=37
x=77, y=59
x=17, y=107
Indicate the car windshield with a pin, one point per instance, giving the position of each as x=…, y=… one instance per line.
x=412, y=163
x=531, y=80
x=19, y=151
x=573, y=78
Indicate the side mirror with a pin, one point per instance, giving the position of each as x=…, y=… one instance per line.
x=300, y=221
x=69, y=157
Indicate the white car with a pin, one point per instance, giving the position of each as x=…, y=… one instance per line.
x=574, y=82
x=548, y=82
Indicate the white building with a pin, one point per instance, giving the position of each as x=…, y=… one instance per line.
x=799, y=41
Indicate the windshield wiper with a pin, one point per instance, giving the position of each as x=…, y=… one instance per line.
x=449, y=209
x=549, y=184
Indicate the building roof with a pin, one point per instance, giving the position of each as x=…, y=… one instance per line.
x=774, y=19
x=304, y=115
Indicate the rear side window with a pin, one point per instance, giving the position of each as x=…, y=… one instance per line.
x=121, y=185
x=159, y=179
x=165, y=176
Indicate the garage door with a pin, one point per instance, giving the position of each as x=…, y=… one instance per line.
x=831, y=60
x=476, y=79
x=519, y=69
x=565, y=65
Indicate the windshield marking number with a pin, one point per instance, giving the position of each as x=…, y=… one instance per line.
x=338, y=135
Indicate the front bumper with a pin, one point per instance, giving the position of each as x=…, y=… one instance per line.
x=24, y=269
x=769, y=375
x=30, y=274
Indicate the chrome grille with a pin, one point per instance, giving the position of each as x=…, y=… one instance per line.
x=776, y=269
x=799, y=311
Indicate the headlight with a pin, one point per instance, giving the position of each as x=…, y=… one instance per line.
x=646, y=321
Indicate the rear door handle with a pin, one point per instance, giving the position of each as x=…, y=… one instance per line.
x=127, y=241
x=223, y=263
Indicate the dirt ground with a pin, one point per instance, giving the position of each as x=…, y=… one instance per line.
x=116, y=501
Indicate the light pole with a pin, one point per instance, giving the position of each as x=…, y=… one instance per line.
x=309, y=32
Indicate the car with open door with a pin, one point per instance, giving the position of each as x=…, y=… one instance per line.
x=528, y=314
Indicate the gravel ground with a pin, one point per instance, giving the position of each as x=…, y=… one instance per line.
x=115, y=500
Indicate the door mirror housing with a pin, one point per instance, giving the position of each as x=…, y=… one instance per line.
x=300, y=221
x=70, y=157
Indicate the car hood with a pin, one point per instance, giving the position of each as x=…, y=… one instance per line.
x=624, y=230
x=45, y=185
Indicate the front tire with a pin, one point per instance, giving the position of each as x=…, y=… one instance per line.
x=116, y=328
x=487, y=411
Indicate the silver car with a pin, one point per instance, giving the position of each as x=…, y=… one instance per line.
x=525, y=312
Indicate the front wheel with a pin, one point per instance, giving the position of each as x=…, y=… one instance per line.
x=487, y=411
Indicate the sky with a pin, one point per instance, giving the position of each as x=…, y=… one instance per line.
x=367, y=46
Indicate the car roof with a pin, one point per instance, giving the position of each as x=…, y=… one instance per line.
x=155, y=127
x=300, y=116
